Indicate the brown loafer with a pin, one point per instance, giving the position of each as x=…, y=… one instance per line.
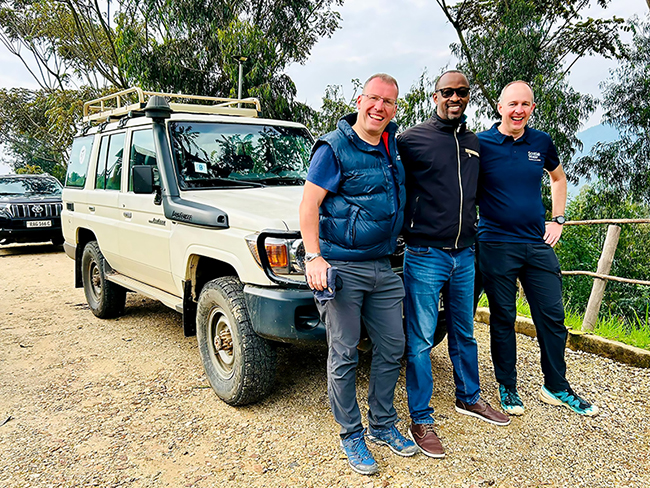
x=427, y=440
x=482, y=410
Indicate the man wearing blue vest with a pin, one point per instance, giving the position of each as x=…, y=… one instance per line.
x=350, y=216
x=514, y=242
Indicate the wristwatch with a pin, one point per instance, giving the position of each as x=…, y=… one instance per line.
x=310, y=256
x=559, y=219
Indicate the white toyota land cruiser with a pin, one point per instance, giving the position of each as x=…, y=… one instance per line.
x=195, y=205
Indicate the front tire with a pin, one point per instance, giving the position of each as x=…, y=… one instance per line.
x=105, y=299
x=239, y=364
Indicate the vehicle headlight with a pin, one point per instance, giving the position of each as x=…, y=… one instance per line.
x=5, y=210
x=286, y=256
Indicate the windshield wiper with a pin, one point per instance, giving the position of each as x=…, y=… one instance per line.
x=207, y=183
x=267, y=179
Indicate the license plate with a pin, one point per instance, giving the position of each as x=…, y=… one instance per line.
x=39, y=223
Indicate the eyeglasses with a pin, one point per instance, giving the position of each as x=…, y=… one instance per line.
x=462, y=92
x=388, y=102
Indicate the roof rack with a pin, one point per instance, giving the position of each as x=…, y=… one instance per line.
x=121, y=103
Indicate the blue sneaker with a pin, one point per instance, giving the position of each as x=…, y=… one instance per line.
x=359, y=457
x=569, y=399
x=510, y=401
x=392, y=438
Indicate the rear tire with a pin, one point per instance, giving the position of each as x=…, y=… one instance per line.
x=105, y=299
x=239, y=364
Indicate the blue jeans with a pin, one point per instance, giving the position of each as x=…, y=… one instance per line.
x=427, y=271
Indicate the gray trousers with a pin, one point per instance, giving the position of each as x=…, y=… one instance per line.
x=373, y=292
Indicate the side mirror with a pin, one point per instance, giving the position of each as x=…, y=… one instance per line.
x=143, y=179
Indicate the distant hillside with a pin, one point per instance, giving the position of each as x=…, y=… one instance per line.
x=598, y=133
x=589, y=138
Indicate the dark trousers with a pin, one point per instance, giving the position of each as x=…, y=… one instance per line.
x=537, y=267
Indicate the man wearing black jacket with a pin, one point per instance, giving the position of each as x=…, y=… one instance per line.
x=441, y=160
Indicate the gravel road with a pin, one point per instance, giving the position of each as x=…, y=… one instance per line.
x=90, y=402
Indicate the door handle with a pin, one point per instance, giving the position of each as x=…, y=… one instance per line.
x=128, y=215
x=92, y=209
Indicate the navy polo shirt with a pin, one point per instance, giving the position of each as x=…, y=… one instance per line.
x=510, y=185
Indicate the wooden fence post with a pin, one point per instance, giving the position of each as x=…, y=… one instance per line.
x=604, y=267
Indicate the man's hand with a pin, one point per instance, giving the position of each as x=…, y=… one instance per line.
x=553, y=233
x=316, y=273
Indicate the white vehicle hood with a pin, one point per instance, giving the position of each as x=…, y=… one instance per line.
x=254, y=209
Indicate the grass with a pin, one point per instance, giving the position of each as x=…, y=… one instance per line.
x=636, y=333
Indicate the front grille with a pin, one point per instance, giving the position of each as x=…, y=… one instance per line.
x=36, y=210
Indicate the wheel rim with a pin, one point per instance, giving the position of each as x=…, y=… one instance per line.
x=221, y=342
x=94, y=280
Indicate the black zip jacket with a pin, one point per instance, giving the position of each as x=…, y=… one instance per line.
x=441, y=160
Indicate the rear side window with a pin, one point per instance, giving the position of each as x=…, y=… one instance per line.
x=78, y=164
x=109, y=163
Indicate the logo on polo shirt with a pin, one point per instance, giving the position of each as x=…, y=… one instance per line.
x=534, y=156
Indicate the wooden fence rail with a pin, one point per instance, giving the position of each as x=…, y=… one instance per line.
x=607, y=221
x=607, y=277
x=604, y=266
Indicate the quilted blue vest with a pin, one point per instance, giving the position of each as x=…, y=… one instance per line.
x=361, y=221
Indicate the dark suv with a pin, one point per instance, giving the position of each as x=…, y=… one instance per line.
x=30, y=209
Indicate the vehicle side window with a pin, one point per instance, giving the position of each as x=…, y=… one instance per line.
x=142, y=152
x=109, y=163
x=100, y=177
x=114, y=162
x=78, y=164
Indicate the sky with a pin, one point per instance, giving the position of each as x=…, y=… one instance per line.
x=401, y=38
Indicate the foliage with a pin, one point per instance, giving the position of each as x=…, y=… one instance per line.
x=636, y=333
x=37, y=126
x=73, y=52
x=505, y=40
x=190, y=47
x=581, y=246
x=417, y=105
x=334, y=107
x=60, y=41
x=29, y=169
x=623, y=166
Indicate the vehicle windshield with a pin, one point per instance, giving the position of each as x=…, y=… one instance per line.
x=29, y=186
x=224, y=155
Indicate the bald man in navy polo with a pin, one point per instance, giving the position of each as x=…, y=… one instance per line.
x=515, y=243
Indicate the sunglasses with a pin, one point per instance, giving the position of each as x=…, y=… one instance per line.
x=462, y=92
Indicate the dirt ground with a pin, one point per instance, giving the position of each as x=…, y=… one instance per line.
x=90, y=402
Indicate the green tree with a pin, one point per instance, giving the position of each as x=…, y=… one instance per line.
x=37, y=126
x=417, y=104
x=75, y=54
x=190, y=47
x=623, y=166
x=61, y=43
x=334, y=106
x=536, y=41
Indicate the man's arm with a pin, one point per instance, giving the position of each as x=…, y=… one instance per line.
x=558, y=199
x=315, y=270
